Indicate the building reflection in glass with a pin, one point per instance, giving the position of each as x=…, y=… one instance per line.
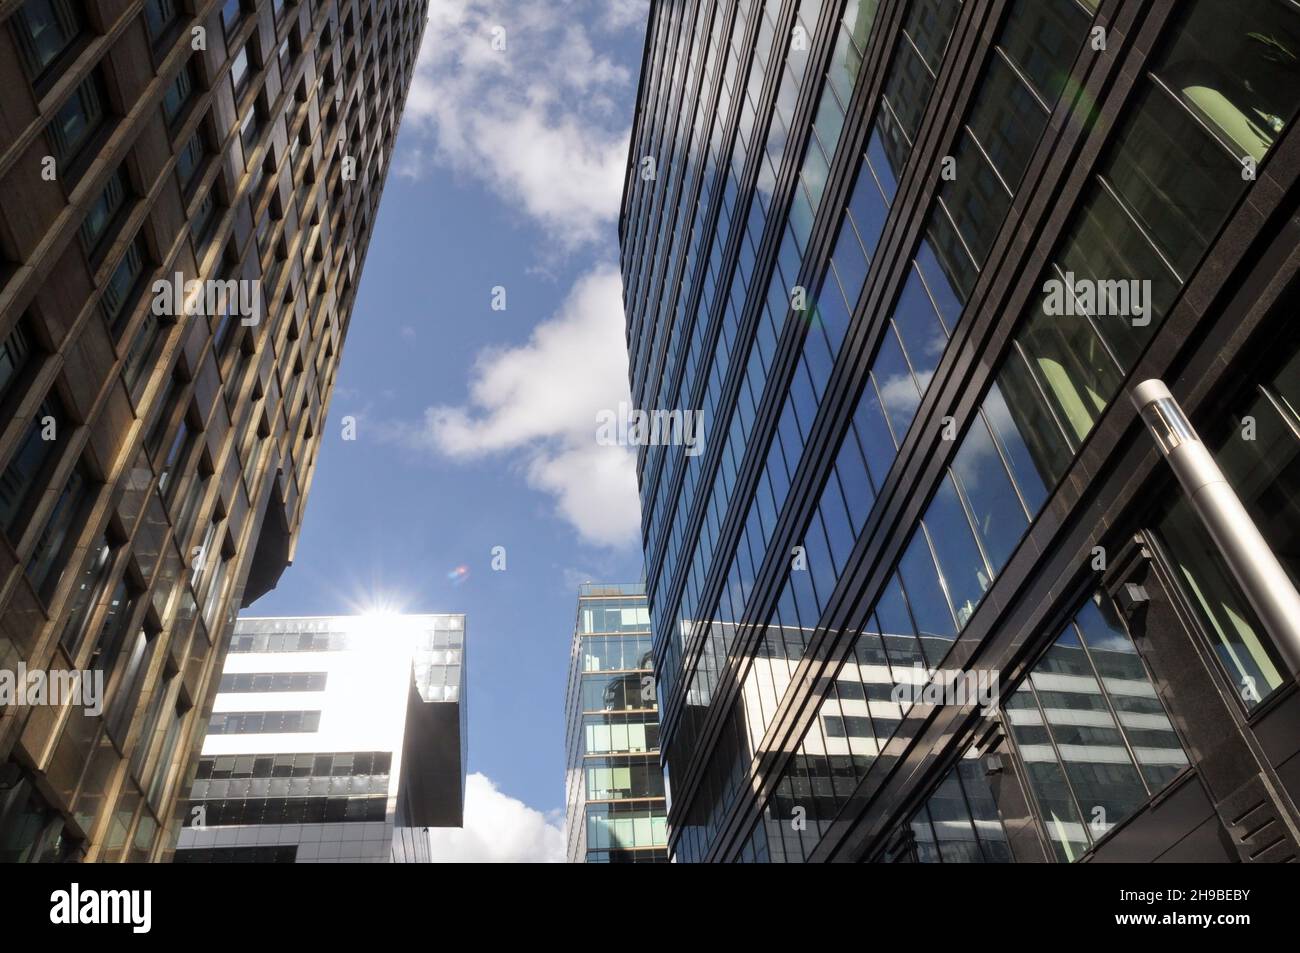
x=1091, y=733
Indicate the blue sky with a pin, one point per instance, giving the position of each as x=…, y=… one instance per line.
x=475, y=428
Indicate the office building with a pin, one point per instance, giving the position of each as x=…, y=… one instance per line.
x=188, y=192
x=911, y=260
x=613, y=785
x=332, y=739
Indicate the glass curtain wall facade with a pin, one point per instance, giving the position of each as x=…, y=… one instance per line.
x=614, y=787
x=332, y=740
x=156, y=450
x=907, y=258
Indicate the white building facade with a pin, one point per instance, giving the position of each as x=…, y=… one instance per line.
x=332, y=739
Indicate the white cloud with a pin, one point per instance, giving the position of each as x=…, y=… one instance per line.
x=535, y=122
x=620, y=14
x=544, y=125
x=498, y=829
x=538, y=404
x=595, y=490
x=575, y=578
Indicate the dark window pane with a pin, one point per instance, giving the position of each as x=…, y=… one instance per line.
x=851, y=470
x=919, y=327
x=873, y=434
x=179, y=94
x=189, y=159
x=998, y=516
x=849, y=259
x=964, y=572
x=44, y=29
x=947, y=301
x=122, y=286
x=1042, y=38
x=15, y=357
x=1103, y=246
x=1025, y=426
x=898, y=392
x=99, y=219
x=158, y=15
x=929, y=24
x=77, y=120
x=1072, y=367
x=869, y=209
x=1243, y=647
x=1264, y=469
x=1176, y=180
x=28, y=469
x=86, y=595
x=1234, y=65
x=926, y=598
x=943, y=246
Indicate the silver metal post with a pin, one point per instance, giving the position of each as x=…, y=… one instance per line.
x=1266, y=584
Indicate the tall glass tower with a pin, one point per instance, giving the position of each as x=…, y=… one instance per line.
x=909, y=260
x=614, y=788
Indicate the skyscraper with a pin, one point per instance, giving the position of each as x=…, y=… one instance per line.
x=188, y=196
x=930, y=592
x=332, y=739
x=613, y=786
